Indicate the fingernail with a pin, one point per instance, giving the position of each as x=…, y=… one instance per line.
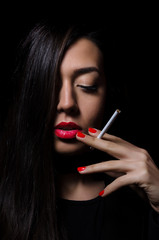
x=92, y=130
x=80, y=134
x=80, y=169
x=101, y=193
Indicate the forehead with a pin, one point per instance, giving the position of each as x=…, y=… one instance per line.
x=83, y=53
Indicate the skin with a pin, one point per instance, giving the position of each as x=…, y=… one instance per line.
x=76, y=104
x=134, y=166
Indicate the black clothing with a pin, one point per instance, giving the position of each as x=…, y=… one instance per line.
x=121, y=215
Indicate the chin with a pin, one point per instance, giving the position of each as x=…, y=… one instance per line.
x=69, y=148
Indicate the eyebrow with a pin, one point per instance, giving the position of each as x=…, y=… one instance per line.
x=85, y=70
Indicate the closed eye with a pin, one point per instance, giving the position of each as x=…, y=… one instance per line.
x=87, y=88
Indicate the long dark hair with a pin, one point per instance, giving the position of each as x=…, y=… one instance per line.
x=28, y=202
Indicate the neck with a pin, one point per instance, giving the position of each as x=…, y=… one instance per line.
x=73, y=186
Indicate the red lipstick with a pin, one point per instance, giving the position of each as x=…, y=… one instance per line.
x=67, y=130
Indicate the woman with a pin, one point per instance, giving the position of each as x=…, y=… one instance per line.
x=52, y=184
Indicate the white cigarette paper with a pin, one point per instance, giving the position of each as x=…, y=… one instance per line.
x=109, y=123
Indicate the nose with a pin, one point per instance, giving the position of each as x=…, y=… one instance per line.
x=67, y=99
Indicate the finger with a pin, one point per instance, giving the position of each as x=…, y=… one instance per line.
x=119, y=166
x=116, y=150
x=95, y=132
x=114, y=146
x=122, y=181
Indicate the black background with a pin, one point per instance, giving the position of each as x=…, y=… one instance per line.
x=136, y=43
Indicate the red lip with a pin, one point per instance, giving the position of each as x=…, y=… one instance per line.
x=68, y=125
x=67, y=130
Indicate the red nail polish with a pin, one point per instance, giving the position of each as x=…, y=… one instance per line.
x=80, y=169
x=92, y=130
x=101, y=193
x=80, y=134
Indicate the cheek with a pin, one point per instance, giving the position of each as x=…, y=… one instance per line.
x=93, y=111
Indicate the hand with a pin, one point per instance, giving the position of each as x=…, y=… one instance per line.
x=132, y=165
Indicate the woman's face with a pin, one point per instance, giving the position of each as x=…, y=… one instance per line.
x=81, y=96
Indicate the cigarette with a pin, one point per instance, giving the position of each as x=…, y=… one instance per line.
x=109, y=123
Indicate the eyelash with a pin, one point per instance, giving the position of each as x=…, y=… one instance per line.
x=91, y=88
